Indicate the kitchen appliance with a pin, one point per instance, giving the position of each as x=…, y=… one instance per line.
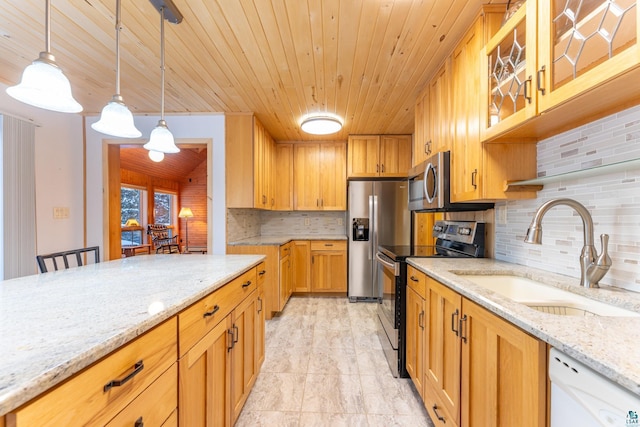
x=430, y=187
x=378, y=215
x=583, y=397
x=454, y=239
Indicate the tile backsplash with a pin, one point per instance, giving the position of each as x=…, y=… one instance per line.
x=246, y=223
x=612, y=198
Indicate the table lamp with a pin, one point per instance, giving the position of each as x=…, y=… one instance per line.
x=132, y=222
x=186, y=214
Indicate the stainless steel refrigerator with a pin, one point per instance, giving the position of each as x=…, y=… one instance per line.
x=378, y=215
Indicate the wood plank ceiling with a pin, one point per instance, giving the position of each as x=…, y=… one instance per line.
x=365, y=60
x=175, y=167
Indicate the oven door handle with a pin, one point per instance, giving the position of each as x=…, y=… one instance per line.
x=394, y=266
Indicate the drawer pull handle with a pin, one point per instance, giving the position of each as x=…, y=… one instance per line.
x=246, y=284
x=261, y=273
x=212, y=312
x=421, y=320
x=260, y=309
x=230, y=332
x=139, y=423
x=137, y=368
x=454, y=315
x=463, y=322
x=328, y=244
x=414, y=279
x=438, y=416
x=236, y=334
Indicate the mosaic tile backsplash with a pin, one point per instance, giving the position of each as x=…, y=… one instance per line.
x=246, y=223
x=613, y=199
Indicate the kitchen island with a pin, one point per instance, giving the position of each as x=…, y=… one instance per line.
x=608, y=345
x=54, y=325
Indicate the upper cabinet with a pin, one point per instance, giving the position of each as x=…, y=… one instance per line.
x=320, y=178
x=378, y=156
x=250, y=157
x=578, y=60
x=284, y=171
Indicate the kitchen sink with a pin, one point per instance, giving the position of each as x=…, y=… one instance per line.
x=545, y=298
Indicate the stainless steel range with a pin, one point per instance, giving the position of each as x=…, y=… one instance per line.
x=454, y=239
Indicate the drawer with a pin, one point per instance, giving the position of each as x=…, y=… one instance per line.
x=153, y=406
x=198, y=319
x=88, y=399
x=285, y=250
x=261, y=274
x=417, y=281
x=172, y=421
x=440, y=416
x=329, y=245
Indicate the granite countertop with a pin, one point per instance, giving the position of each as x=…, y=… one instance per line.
x=281, y=240
x=609, y=345
x=55, y=324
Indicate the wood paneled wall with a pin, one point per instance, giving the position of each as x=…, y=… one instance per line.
x=193, y=194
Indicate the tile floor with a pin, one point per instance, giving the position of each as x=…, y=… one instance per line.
x=324, y=367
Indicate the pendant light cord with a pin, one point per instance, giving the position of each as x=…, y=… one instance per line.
x=162, y=63
x=47, y=27
x=118, y=28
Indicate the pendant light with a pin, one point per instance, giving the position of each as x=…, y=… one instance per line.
x=161, y=138
x=116, y=119
x=43, y=83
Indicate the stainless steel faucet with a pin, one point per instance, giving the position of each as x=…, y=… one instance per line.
x=593, y=267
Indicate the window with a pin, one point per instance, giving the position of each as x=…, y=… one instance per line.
x=164, y=205
x=132, y=203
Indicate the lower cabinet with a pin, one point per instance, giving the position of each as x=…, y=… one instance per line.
x=415, y=321
x=301, y=262
x=285, y=275
x=329, y=266
x=479, y=370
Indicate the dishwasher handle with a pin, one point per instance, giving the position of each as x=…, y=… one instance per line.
x=388, y=263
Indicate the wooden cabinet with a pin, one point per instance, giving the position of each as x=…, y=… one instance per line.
x=249, y=168
x=301, y=265
x=480, y=171
x=378, y=156
x=283, y=173
x=97, y=394
x=415, y=321
x=479, y=369
x=261, y=316
x=320, y=181
x=421, y=138
x=329, y=266
x=286, y=288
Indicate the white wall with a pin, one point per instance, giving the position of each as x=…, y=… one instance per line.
x=59, y=180
x=612, y=198
x=182, y=126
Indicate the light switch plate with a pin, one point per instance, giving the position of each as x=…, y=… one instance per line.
x=307, y=221
x=60, y=213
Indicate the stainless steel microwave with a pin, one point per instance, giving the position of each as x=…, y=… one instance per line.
x=430, y=187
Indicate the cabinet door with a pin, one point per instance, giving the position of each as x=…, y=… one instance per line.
x=301, y=260
x=362, y=156
x=205, y=379
x=243, y=354
x=333, y=176
x=439, y=109
x=285, y=280
x=328, y=271
x=504, y=372
x=260, y=188
x=422, y=146
x=284, y=171
x=581, y=49
x=260, y=329
x=306, y=183
x=442, y=350
x=395, y=155
x=415, y=339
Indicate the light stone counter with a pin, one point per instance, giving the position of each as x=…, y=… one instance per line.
x=55, y=324
x=609, y=345
x=281, y=240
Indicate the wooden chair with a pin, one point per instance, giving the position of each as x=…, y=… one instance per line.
x=159, y=235
x=64, y=256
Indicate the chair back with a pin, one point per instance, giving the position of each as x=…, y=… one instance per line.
x=66, y=259
x=159, y=235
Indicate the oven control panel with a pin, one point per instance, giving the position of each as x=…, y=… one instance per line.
x=469, y=232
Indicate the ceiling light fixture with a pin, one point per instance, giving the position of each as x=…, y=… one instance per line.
x=116, y=119
x=321, y=124
x=156, y=156
x=43, y=83
x=161, y=138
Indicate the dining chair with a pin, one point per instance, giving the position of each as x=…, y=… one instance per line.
x=74, y=255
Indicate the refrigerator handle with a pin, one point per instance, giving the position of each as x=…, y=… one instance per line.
x=373, y=219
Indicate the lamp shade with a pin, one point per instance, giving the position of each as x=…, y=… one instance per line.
x=156, y=156
x=161, y=139
x=185, y=213
x=321, y=124
x=132, y=222
x=116, y=120
x=44, y=85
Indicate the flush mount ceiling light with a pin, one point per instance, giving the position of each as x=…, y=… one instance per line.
x=43, y=83
x=321, y=124
x=161, y=138
x=116, y=119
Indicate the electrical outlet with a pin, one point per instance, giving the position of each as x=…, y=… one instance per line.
x=339, y=221
x=307, y=221
x=501, y=213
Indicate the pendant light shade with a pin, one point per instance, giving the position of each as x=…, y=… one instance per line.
x=116, y=119
x=43, y=83
x=321, y=124
x=161, y=138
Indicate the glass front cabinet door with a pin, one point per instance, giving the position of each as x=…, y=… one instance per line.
x=583, y=43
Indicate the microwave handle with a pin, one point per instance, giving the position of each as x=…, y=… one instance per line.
x=430, y=198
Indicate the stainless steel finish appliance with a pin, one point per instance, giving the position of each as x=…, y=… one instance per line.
x=454, y=239
x=430, y=187
x=378, y=215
